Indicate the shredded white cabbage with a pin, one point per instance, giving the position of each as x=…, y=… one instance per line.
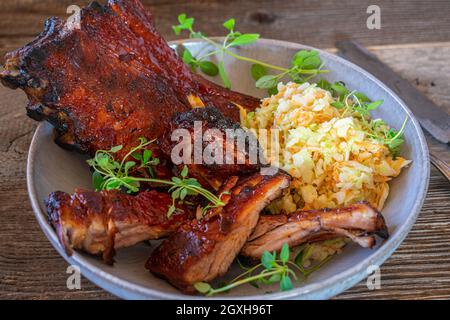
x=328, y=151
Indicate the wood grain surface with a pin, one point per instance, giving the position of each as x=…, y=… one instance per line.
x=414, y=40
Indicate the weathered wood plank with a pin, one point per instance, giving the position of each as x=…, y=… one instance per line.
x=317, y=23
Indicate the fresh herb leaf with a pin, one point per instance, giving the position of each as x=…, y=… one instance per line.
x=267, y=259
x=116, y=149
x=394, y=145
x=258, y=71
x=129, y=165
x=112, y=184
x=183, y=194
x=143, y=140
x=284, y=253
x=301, y=56
x=137, y=156
x=266, y=82
x=286, y=283
x=244, y=39
x=229, y=24
x=338, y=104
x=223, y=75
x=176, y=193
x=274, y=278
x=176, y=180
x=396, y=139
x=339, y=89
x=361, y=97
x=312, y=62
x=97, y=181
x=209, y=68
x=184, y=172
x=185, y=24
x=171, y=210
x=373, y=105
x=189, y=59
x=104, y=161
x=202, y=287
x=272, y=91
x=146, y=155
x=324, y=84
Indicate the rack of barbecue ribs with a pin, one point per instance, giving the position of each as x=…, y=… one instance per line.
x=111, y=81
x=84, y=219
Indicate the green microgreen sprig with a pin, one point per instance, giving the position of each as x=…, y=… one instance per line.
x=352, y=101
x=111, y=174
x=391, y=138
x=359, y=103
x=305, y=64
x=272, y=269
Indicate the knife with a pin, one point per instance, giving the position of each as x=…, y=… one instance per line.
x=431, y=117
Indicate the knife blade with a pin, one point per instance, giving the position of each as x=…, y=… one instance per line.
x=431, y=117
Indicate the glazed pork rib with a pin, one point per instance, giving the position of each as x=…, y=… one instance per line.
x=359, y=222
x=201, y=250
x=110, y=81
x=216, y=137
x=100, y=222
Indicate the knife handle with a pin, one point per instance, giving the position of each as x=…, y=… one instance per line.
x=441, y=165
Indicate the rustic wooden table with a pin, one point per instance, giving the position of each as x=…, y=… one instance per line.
x=414, y=40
